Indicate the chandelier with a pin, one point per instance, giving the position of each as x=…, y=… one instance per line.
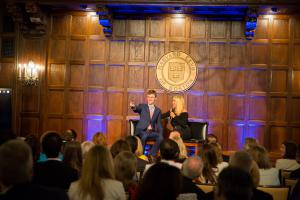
x=28, y=74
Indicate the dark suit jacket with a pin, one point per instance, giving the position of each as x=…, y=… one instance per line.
x=145, y=120
x=54, y=173
x=189, y=187
x=33, y=192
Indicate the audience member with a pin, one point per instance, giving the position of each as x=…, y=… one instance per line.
x=97, y=178
x=100, y=139
x=191, y=170
x=288, y=160
x=133, y=143
x=6, y=136
x=243, y=160
x=53, y=172
x=140, y=148
x=119, y=146
x=268, y=176
x=73, y=155
x=161, y=182
x=221, y=164
x=211, y=138
x=125, y=167
x=15, y=175
x=85, y=147
x=182, y=149
x=250, y=142
x=69, y=135
x=210, y=161
x=234, y=184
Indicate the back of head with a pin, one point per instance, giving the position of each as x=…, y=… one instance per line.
x=98, y=164
x=249, y=142
x=51, y=144
x=161, y=182
x=133, y=143
x=15, y=162
x=211, y=138
x=69, y=135
x=192, y=167
x=119, y=146
x=125, y=167
x=290, y=150
x=260, y=156
x=233, y=184
x=73, y=155
x=100, y=139
x=85, y=147
x=242, y=160
x=169, y=149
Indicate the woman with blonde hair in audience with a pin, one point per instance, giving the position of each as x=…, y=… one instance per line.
x=85, y=147
x=268, y=175
x=288, y=161
x=125, y=167
x=250, y=142
x=100, y=139
x=73, y=155
x=139, y=151
x=179, y=119
x=97, y=180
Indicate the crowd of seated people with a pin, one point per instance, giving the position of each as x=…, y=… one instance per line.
x=60, y=167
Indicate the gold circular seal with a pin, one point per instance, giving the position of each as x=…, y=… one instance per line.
x=176, y=71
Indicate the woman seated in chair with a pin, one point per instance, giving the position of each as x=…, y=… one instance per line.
x=178, y=116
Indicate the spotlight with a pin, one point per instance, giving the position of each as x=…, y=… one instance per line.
x=83, y=6
x=274, y=9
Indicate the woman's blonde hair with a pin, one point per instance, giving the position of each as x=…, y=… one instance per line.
x=180, y=106
x=260, y=156
x=97, y=165
x=139, y=149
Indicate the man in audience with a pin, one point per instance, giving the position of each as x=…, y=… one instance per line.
x=133, y=143
x=243, y=160
x=16, y=172
x=53, y=172
x=192, y=169
x=234, y=184
x=169, y=153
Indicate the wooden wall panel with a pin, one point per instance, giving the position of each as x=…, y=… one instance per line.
x=29, y=125
x=7, y=71
x=243, y=89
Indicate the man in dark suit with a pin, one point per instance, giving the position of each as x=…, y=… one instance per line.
x=149, y=125
x=53, y=172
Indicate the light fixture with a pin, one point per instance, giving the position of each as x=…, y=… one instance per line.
x=28, y=74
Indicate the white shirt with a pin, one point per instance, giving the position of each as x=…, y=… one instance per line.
x=287, y=164
x=113, y=190
x=269, y=177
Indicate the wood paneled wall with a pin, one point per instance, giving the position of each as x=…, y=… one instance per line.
x=244, y=89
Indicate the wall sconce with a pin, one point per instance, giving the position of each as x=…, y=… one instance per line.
x=28, y=74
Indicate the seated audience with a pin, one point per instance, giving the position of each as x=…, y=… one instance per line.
x=169, y=152
x=288, y=160
x=161, y=182
x=73, y=155
x=234, y=184
x=97, y=178
x=69, y=135
x=249, y=142
x=53, y=172
x=210, y=162
x=133, y=143
x=191, y=170
x=182, y=149
x=268, y=176
x=42, y=157
x=16, y=172
x=243, y=160
x=119, y=146
x=100, y=139
x=85, y=147
x=221, y=164
x=125, y=167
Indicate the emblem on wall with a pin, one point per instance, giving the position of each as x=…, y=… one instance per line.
x=176, y=71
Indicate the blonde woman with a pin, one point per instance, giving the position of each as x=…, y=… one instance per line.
x=179, y=119
x=97, y=178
